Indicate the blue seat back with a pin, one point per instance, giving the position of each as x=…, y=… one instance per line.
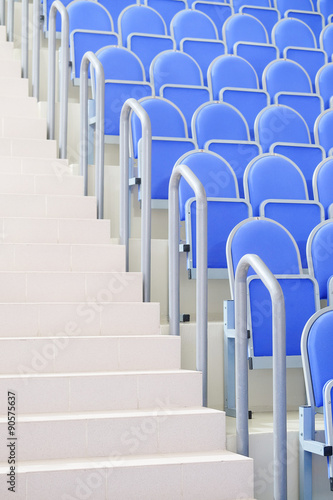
x=165, y=118
x=285, y=76
x=168, y=9
x=215, y=174
x=310, y=59
x=115, y=7
x=259, y=3
x=218, y=12
x=273, y=177
x=231, y=71
x=289, y=32
x=88, y=15
x=140, y=19
x=314, y=20
x=174, y=67
x=323, y=130
x=325, y=7
x=324, y=83
x=278, y=123
x=266, y=15
x=243, y=28
x=204, y=52
x=120, y=64
x=258, y=55
x=284, y=5
x=320, y=255
x=148, y=46
x=323, y=182
x=218, y=121
x=326, y=40
x=192, y=24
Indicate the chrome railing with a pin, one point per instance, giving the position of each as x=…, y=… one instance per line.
x=279, y=367
x=202, y=274
x=89, y=57
x=145, y=163
x=35, y=70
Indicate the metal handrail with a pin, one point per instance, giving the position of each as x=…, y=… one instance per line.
x=89, y=57
x=10, y=20
x=63, y=118
x=25, y=39
x=2, y=13
x=135, y=106
x=35, y=49
x=279, y=367
x=202, y=283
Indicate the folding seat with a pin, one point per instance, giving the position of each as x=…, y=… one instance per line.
x=115, y=7
x=218, y=12
x=143, y=31
x=178, y=77
x=268, y=16
x=317, y=354
x=278, y=250
x=314, y=20
x=326, y=8
x=169, y=142
x=284, y=5
x=326, y=40
x=224, y=208
x=323, y=130
x=324, y=83
x=276, y=188
x=46, y=6
x=289, y=32
x=278, y=123
x=167, y=9
x=220, y=127
x=232, y=79
x=90, y=28
x=310, y=59
x=124, y=78
x=196, y=34
x=322, y=185
x=320, y=256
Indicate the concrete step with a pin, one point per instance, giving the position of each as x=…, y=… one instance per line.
x=55, y=167
x=23, y=127
x=72, y=354
x=48, y=206
x=91, y=318
x=101, y=391
x=62, y=257
x=28, y=147
x=216, y=475
x=10, y=67
x=70, y=287
x=17, y=106
x=55, y=230
x=14, y=87
x=87, y=435
x=11, y=183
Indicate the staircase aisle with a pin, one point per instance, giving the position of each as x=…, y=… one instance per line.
x=102, y=409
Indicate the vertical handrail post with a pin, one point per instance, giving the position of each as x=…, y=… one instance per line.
x=25, y=39
x=279, y=368
x=35, y=49
x=133, y=105
x=63, y=116
x=10, y=20
x=202, y=274
x=2, y=12
x=89, y=57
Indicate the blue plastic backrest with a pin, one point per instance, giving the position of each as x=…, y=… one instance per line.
x=260, y=3
x=326, y=39
x=273, y=177
x=322, y=255
x=176, y=68
x=323, y=182
x=270, y=241
x=115, y=7
x=165, y=118
x=89, y=15
x=245, y=28
x=192, y=24
x=231, y=71
x=218, y=12
x=311, y=60
x=324, y=129
x=320, y=354
x=120, y=64
x=285, y=76
x=325, y=7
x=258, y=55
x=289, y=32
x=167, y=8
x=140, y=19
x=215, y=174
x=324, y=83
x=219, y=121
x=278, y=123
x=284, y=5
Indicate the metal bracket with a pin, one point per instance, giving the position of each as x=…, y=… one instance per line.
x=184, y=318
x=184, y=247
x=134, y=181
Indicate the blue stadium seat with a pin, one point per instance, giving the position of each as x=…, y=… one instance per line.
x=238, y=4
x=322, y=185
x=46, y=6
x=243, y=28
x=124, y=78
x=326, y=8
x=289, y=32
x=284, y=5
x=203, y=51
x=317, y=353
x=324, y=83
x=326, y=40
x=323, y=130
x=230, y=71
x=268, y=16
x=310, y=59
x=167, y=9
x=258, y=55
x=218, y=12
x=320, y=256
x=178, y=77
x=314, y=20
x=115, y=7
x=192, y=24
x=276, y=188
x=285, y=76
x=169, y=142
x=278, y=123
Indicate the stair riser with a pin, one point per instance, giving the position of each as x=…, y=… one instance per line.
x=56, y=168
x=100, y=392
x=79, y=319
x=23, y=128
x=83, y=355
x=40, y=184
x=14, y=87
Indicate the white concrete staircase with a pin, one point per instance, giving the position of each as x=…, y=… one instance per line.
x=104, y=410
